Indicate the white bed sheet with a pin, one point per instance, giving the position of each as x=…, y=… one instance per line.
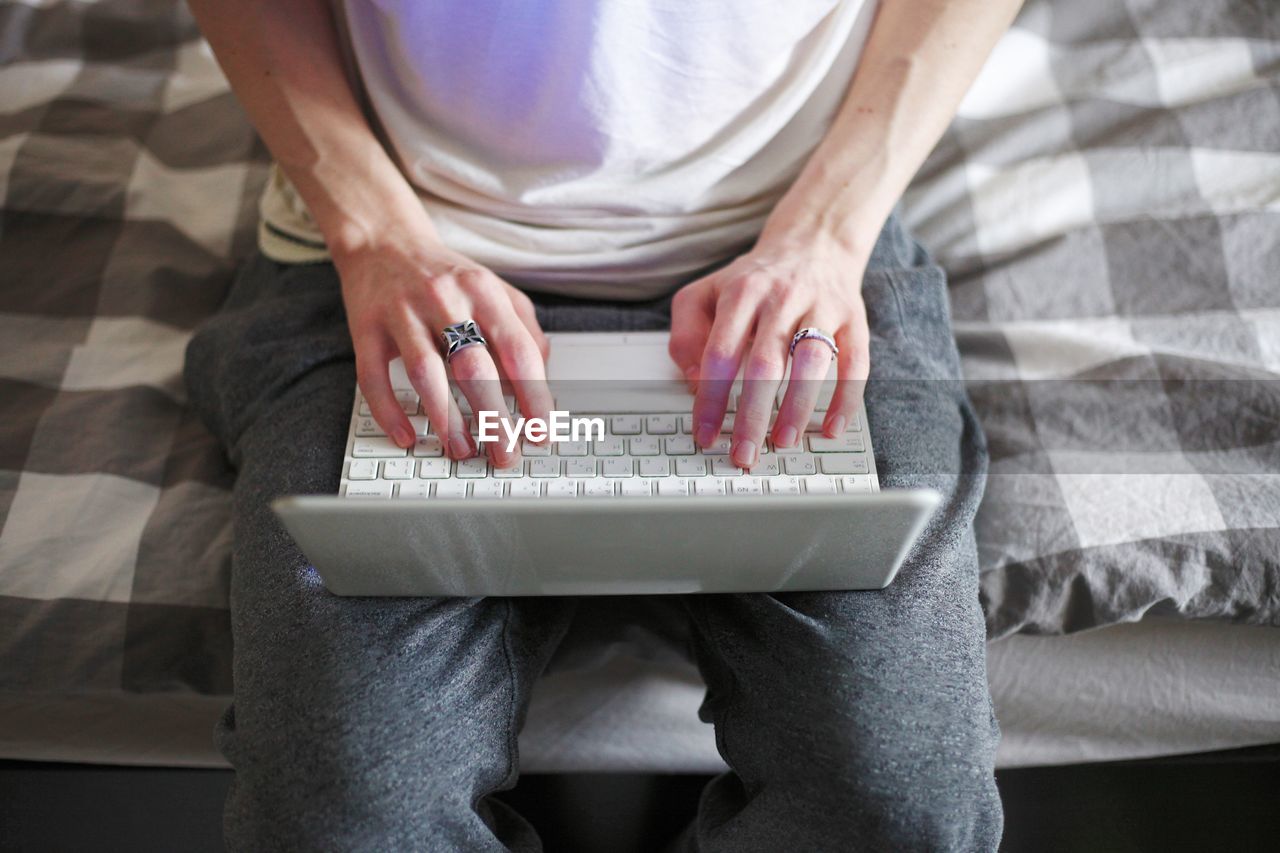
x=1126, y=691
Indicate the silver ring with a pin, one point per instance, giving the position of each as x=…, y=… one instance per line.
x=817, y=335
x=459, y=336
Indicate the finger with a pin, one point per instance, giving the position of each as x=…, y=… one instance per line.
x=692, y=312
x=518, y=356
x=523, y=306
x=372, y=357
x=425, y=369
x=810, y=364
x=760, y=377
x=726, y=344
x=477, y=376
x=853, y=366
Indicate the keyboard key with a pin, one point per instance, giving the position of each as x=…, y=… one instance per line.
x=719, y=447
x=530, y=449
x=544, y=467
x=428, y=445
x=686, y=424
x=767, y=465
x=562, y=488
x=798, y=464
x=571, y=448
x=708, y=486
x=374, y=448
x=580, y=468
x=419, y=424
x=661, y=424
x=366, y=427
x=487, y=489
x=655, y=466
x=363, y=409
x=433, y=469
x=673, y=487
x=597, y=487
x=625, y=425
x=746, y=486
x=844, y=463
x=509, y=473
x=618, y=467
x=680, y=445
x=451, y=489
x=408, y=401
x=415, y=489
x=397, y=469
x=816, y=420
x=784, y=485
x=645, y=445
x=473, y=468
x=610, y=446
x=362, y=469
x=820, y=485
x=856, y=485
x=375, y=489
x=634, y=487
x=691, y=466
x=722, y=466
x=524, y=489
x=846, y=443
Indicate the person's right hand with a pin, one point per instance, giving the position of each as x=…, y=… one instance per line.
x=400, y=291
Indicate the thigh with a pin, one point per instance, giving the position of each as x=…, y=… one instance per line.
x=371, y=722
x=876, y=697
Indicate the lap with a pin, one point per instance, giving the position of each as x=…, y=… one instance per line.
x=273, y=374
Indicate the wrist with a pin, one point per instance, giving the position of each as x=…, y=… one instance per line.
x=357, y=211
x=353, y=232
x=816, y=236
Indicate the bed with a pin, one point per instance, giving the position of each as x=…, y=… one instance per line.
x=1107, y=205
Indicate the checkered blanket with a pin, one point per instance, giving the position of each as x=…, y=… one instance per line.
x=1107, y=205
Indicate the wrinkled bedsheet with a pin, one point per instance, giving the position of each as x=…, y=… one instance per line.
x=1107, y=205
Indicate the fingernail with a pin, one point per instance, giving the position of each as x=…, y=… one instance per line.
x=706, y=435
x=403, y=437
x=838, y=423
x=460, y=446
x=788, y=436
x=745, y=454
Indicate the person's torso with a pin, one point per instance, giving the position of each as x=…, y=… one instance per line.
x=602, y=147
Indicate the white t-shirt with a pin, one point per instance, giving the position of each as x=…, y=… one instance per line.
x=598, y=148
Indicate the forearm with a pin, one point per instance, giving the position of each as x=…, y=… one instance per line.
x=920, y=58
x=283, y=62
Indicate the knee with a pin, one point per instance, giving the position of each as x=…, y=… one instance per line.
x=352, y=789
x=904, y=795
x=887, y=781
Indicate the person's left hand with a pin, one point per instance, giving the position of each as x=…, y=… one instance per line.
x=749, y=310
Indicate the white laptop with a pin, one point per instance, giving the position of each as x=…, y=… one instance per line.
x=630, y=507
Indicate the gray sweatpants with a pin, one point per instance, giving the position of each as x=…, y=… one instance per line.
x=851, y=720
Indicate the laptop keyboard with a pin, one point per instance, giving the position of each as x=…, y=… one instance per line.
x=641, y=455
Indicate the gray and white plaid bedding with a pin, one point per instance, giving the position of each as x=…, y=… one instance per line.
x=1108, y=205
